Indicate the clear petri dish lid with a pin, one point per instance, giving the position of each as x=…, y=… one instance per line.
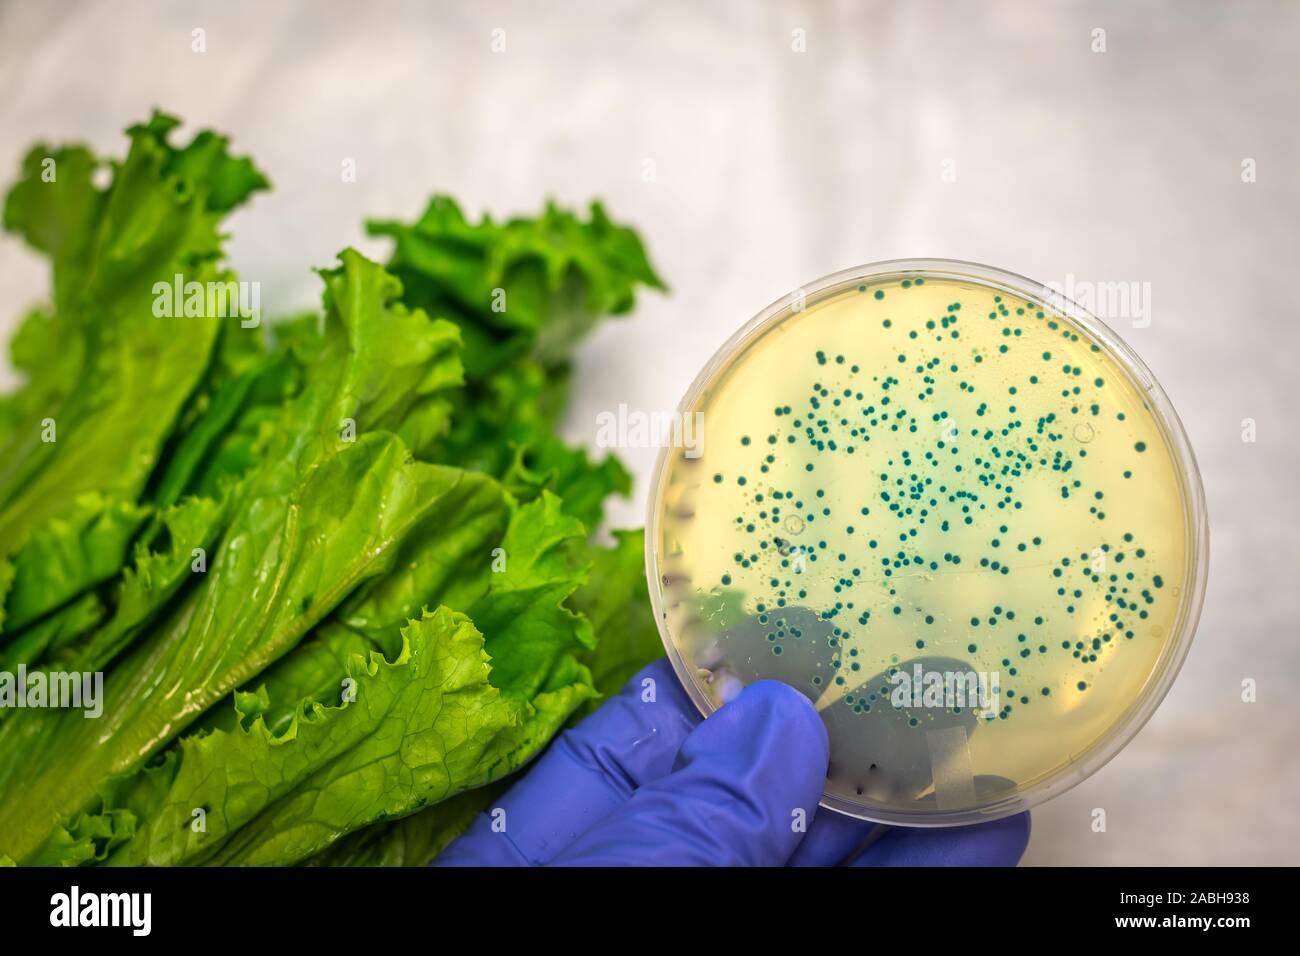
x=952, y=508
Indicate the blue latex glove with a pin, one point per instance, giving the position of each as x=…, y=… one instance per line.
x=645, y=782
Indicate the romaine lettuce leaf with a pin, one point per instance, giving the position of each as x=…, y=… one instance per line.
x=556, y=274
x=67, y=555
x=422, y=728
x=52, y=633
x=329, y=476
x=246, y=535
x=99, y=419
x=617, y=602
x=168, y=558
x=523, y=293
x=313, y=739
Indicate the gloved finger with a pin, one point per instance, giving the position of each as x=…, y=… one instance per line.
x=585, y=774
x=998, y=843
x=832, y=838
x=743, y=787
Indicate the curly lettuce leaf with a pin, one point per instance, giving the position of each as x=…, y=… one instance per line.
x=164, y=561
x=229, y=425
x=557, y=274
x=79, y=428
x=617, y=602
x=68, y=555
x=413, y=840
x=52, y=633
x=330, y=476
x=422, y=728
x=581, y=483
x=523, y=293
x=323, y=478
x=532, y=634
x=533, y=641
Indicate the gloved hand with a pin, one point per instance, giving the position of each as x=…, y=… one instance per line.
x=645, y=782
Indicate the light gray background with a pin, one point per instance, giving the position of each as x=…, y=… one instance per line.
x=775, y=167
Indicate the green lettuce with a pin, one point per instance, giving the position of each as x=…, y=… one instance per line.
x=340, y=578
x=523, y=294
x=96, y=418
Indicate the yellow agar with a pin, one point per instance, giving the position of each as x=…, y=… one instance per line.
x=928, y=472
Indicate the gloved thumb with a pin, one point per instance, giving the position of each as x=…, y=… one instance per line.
x=743, y=789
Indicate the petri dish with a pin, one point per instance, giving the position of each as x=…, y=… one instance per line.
x=952, y=508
